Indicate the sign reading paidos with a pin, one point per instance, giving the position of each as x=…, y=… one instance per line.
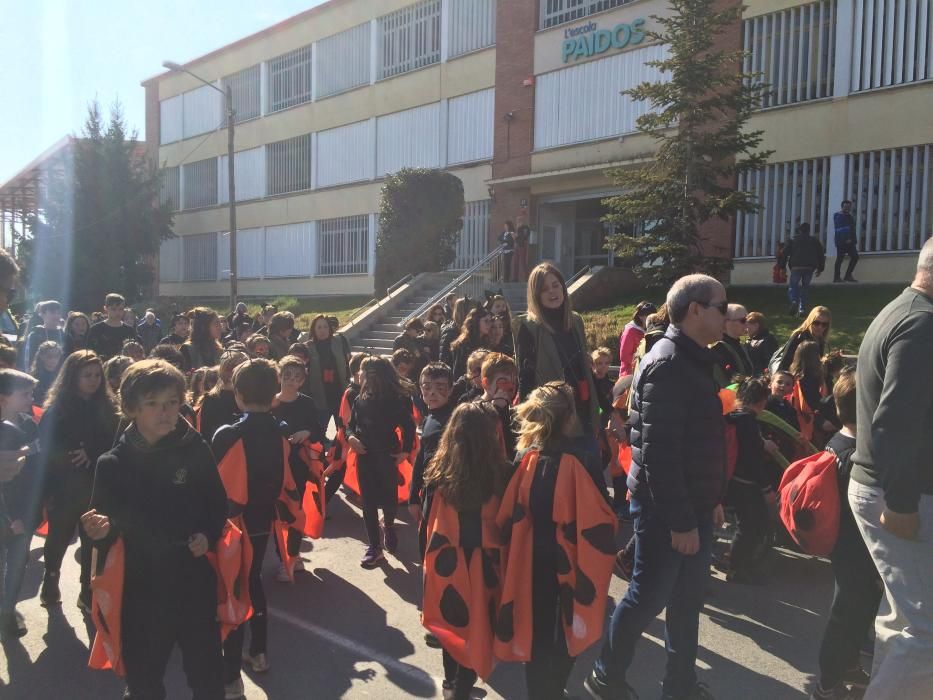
x=588, y=40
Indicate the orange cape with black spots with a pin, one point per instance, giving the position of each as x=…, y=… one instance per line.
x=586, y=529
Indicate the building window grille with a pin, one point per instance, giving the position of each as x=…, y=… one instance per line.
x=891, y=43
x=343, y=61
x=200, y=257
x=170, y=192
x=473, y=243
x=409, y=38
x=793, y=51
x=472, y=26
x=290, y=79
x=288, y=165
x=246, y=93
x=555, y=12
x=200, y=184
x=170, y=260
x=343, y=245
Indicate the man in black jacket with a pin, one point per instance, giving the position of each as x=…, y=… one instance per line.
x=891, y=486
x=677, y=480
x=805, y=256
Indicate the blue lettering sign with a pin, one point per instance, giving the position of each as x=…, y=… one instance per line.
x=588, y=40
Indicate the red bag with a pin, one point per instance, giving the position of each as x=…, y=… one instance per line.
x=732, y=451
x=810, y=503
x=778, y=275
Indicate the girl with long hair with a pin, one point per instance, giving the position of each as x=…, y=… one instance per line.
x=382, y=411
x=808, y=389
x=45, y=367
x=75, y=332
x=464, y=482
x=451, y=330
x=77, y=427
x=203, y=348
x=473, y=335
x=554, y=504
x=218, y=406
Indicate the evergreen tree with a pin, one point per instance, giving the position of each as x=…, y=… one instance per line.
x=100, y=223
x=420, y=218
x=699, y=120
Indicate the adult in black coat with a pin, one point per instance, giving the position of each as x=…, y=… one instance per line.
x=761, y=344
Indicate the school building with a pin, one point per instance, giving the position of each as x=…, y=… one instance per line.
x=521, y=100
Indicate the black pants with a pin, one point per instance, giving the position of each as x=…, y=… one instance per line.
x=68, y=502
x=378, y=476
x=752, y=515
x=852, y=251
x=855, y=603
x=14, y=555
x=333, y=483
x=505, y=274
x=461, y=678
x=150, y=631
x=550, y=666
x=258, y=623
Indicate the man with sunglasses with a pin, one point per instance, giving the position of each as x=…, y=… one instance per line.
x=676, y=480
x=733, y=358
x=11, y=461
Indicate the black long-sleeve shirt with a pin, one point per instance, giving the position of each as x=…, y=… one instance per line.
x=217, y=410
x=299, y=415
x=750, y=466
x=431, y=433
x=85, y=426
x=19, y=497
x=107, y=340
x=373, y=422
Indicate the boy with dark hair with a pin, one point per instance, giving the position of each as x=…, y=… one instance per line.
x=107, y=337
x=158, y=491
x=252, y=459
x=51, y=314
x=499, y=378
x=181, y=327
x=858, y=586
x=19, y=498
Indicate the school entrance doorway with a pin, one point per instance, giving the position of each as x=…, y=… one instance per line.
x=572, y=231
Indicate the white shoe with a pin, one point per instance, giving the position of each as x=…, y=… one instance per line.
x=282, y=574
x=299, y=565
x=258, y=663
x=234, y=691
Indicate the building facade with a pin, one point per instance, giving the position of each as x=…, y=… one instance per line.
x=521, y=100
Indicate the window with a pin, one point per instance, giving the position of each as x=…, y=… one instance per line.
x=583, y=103
x=794, y=51
x=171, y=119
x=472, y=25
x=203, y=111
x=289, y=251
x=246, y=97
x=249, y=169
x=343, y=245
x=200, y=257
x=343, y=61
x=891, y=44
x=200, y=184
x=470, y=127
x=288, y=164
x=409, y=38
x=170, y=260
x=789, y=194
x=473, y=243
x=345, y=154
x=170, y=193
x=554, y=12
x=890, y=193
x=290, y=79
x=408, y=139
x=249, y=254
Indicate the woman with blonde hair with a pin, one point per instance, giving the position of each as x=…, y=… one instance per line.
x=550, y=345
x=815, y=327
x=559, y=532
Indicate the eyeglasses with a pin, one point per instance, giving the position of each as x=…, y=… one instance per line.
x=722, y=307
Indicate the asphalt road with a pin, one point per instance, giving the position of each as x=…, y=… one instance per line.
x=343, y=632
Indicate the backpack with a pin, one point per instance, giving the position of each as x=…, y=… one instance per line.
x=774, y=364
x=810, y=503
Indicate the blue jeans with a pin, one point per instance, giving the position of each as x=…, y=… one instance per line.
x=662, y=578
x=798, y=287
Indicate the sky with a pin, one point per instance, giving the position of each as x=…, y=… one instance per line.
x=59, y=55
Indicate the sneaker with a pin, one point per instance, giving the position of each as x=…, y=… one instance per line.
x=857, y=678
x=447, y=690
x=851, y=279
x=598, y=690
x=373, y=558
x=259, y=663
x=431, y=641
x=282, y=574
x=836, y=693
x=390, y=538
x=744, y=576
x=299, y=565
x=234, y=690
x=84, y=601
x=700, y=691
x=11, y=627
x=623, y=566
x=838, y=280
x=50, y=594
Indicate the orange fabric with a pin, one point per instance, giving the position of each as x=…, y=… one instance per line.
x=352, y=480
x=232, y=561
x=37, y=412
x=727, y=398
x=805, y=413
x=586, y=529
x=313, y=504
x=288, y=511
x=107, y=608
x=458, y=595
x=620, y=456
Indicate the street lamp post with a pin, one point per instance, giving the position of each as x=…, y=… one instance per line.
x=231, y=172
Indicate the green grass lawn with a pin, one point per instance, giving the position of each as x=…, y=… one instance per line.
x=304, y=308
x=853, y=307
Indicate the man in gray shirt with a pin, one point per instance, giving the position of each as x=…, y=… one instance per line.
x=891, y=489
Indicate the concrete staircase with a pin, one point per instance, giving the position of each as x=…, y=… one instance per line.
x=378, y=337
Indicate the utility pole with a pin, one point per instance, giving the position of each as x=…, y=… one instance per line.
x=231, y=192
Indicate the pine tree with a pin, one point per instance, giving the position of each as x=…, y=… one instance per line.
x=699, y=119
x=100, y=223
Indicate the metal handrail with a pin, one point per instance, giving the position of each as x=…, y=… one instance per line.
x=466, y=274
x=378, y=302
x=578, y=274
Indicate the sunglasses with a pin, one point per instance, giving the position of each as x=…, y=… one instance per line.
x=821, y=324
x=722, y=307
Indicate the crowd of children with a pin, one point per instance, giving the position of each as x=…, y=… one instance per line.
x=218, y=441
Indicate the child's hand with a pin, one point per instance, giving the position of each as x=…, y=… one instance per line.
x=11, y=462
x=95, y=525
x=299, y=437
x=356, y=445
x=17, y=528
x=399, y=458
x=331, y=468
x=415, y=511
x=770, y=447
x=198, y=544
x=79, y=458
